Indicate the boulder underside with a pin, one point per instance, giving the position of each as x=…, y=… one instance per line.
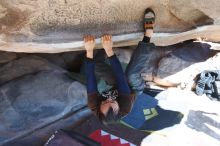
x=51, y=26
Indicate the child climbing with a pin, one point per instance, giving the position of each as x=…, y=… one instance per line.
x=111, y=105
x=117, y=102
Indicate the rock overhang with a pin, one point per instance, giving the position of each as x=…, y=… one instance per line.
x=54, y=26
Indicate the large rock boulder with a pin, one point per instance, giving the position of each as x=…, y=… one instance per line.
x=33, y=94
x=7, y=57
x=59, y=25
x=70, y=61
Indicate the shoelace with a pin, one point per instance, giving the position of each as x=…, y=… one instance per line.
x=208, y=84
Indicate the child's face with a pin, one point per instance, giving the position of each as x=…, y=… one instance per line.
x=107, y=104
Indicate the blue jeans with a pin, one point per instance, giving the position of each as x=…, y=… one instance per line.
x=141, y=62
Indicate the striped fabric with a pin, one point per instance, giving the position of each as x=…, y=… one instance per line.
x=107, y=139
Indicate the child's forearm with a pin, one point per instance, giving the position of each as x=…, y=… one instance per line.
x=110, y=52
x=89, y=54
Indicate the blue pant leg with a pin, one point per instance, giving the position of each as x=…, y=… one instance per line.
x=136, y=66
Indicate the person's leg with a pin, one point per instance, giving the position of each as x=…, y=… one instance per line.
x=143, y=60
x=121, y=82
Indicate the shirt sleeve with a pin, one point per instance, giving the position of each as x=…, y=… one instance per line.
x=93, y=100
x=121, y=81
x=91, y=83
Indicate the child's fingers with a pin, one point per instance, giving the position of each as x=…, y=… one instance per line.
x=93, y=39
x=106, y=38
x=89, y=38
x=102, y=38
x=109, y=37
x=85, y=38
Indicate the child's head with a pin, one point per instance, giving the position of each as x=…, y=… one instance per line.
x=109, y=111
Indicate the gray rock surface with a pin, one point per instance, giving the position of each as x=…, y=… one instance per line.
x=6, y=57
x=25, y=65
x=33, y=94
x=182, y=56
x=180, y=63
x=68, y=60
x=59, y=25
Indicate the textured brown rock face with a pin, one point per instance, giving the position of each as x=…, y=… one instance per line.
x=33, y=25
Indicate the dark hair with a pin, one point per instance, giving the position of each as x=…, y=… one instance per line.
x=110, y=118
